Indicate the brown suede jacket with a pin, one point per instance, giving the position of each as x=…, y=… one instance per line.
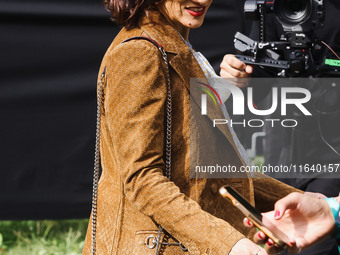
x=133, y=194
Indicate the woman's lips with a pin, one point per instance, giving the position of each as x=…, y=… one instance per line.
x=195, y=11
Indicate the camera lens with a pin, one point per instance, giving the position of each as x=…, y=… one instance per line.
x=292, y=12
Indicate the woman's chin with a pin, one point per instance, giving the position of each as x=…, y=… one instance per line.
x=194, y=24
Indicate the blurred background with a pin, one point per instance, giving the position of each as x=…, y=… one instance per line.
x=50, y=55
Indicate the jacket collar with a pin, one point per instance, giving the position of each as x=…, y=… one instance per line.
x=157, y=27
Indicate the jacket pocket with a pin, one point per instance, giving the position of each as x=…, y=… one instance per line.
x=145, y=244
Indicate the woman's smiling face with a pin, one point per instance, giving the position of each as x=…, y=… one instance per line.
x=185, y=14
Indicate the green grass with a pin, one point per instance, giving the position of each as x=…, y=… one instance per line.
x=258, y=160
x=45, y=237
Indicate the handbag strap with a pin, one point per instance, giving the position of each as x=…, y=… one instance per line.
x=168, y=123
x=96, y=164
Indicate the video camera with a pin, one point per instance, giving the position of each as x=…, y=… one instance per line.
x=292, y=54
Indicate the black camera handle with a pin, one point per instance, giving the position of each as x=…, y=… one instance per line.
x=264, y=54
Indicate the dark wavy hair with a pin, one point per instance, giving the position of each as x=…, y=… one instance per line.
x=126, y=13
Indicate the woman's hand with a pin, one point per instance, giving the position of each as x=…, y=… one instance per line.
x=247, y=247
x=315, y=194
x=306, y=220
x=260, y=238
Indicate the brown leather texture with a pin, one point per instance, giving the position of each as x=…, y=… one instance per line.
x=133, y=194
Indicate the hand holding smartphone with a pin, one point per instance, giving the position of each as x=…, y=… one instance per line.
x=255, y=216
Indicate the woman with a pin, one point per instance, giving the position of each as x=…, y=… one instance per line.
x=134, y=196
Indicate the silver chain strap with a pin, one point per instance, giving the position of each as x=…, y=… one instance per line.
x=168, y=118
x=167, y=136
x=96, y=164
x=167, y=172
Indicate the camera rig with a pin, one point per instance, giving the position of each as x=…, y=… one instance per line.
x=292, y=55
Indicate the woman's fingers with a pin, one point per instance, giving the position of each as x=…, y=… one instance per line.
x=289, y=202
x=247, y=223
x=269, y=245
x=260, y=238
x=272, y=248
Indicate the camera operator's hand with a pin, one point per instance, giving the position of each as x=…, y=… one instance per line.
x=247, y=247
x=231, y=67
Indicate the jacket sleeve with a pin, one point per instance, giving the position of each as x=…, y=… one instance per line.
x=268, y=190
x=134, y=107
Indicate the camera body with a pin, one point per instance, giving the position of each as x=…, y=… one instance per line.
x=292, y=54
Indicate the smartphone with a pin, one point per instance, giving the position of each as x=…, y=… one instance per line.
x=255, y=216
